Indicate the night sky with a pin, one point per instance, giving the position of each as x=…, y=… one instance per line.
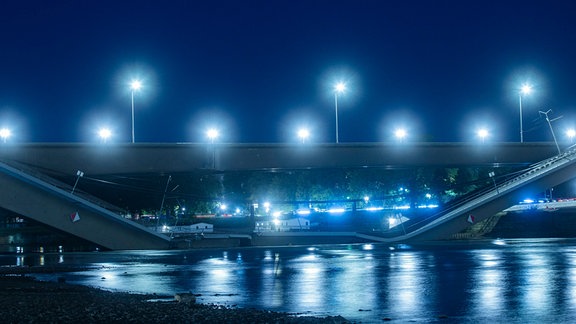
x=258, y=70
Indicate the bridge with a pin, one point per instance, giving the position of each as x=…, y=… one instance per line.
x=100, y=159
x=26, y=190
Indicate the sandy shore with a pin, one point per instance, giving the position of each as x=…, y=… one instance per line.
x=25, y=300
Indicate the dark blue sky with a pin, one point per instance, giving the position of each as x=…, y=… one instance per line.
x=258, y=69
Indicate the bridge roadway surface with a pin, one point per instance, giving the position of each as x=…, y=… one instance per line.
x=30, y=196
x=98, y=159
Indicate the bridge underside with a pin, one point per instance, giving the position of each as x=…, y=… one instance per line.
x=498, y=204
x=66, y=212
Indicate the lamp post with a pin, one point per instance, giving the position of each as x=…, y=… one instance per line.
x=338, y=88
x=525, y=90
x=212, y=135
x=134, y=86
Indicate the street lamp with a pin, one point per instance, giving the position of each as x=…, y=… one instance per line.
x=104, y=134
x=303, y=133
x=212, y=135
x=400, y=134
x=340, y=87
x=135, y=85
x=482, y=133
x=571, y=133
x=5, y=133
x=526, y=89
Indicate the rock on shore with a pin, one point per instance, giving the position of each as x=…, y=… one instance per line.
x=25, y=300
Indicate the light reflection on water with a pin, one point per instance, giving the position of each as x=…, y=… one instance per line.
x=510, y=280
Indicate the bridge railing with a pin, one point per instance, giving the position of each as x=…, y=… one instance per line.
x=63, y=186
x=485, y=194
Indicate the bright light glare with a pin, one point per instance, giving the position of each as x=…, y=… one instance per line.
x=499, y=242
x=5, y=133
x=340, y=87
x=571, y=133
x=400, y=133
x=303, y=133
x=336, y=210
x=104, y=134
x=482, y=133
x=303, y=211
x=212, y=134
x=367, y=247
x=526, y=89
x=135, y=85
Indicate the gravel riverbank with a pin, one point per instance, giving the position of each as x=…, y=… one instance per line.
x=25, y=300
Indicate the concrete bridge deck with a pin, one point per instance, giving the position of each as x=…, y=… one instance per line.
x=185, y=157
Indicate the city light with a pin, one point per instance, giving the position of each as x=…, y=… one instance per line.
x=525, y=90
x=212, y=134
x=482, y=134
x=340, y=87
x=5, y=133
x=135, y=85
x=104, y=134
x=400, y=134
x=303, y=134
x=571, y=133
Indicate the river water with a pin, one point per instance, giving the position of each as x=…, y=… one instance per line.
x=521, y=280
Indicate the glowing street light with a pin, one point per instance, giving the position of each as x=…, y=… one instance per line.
x=340, y=87
x=482, y=133
x=525, y=90
x=303, y=134
x=400, y=134
x=135, y=85
x=104, y=134
x=5, y=133
x=212, y=134
x=571, y=133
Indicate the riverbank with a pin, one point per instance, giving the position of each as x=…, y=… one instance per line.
x=25, y=300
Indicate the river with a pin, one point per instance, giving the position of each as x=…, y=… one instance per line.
x=512, y=280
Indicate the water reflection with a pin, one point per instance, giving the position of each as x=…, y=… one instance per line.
x=272, y=295
x=536, y=281
x=507, y=280
x=490, y=285
x=406, y=284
